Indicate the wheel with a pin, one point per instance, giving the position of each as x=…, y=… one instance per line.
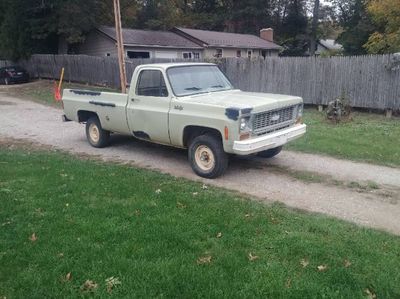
x=207, y=156
x=270, y=153
x=95, y=134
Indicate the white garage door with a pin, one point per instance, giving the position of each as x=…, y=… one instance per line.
x=166, y=54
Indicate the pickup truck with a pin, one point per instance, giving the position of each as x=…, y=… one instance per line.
x=192, y=106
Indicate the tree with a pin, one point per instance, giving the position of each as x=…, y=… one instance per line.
x=356, y=23
x=33, y=26
x=293, y=33
x=385, y=15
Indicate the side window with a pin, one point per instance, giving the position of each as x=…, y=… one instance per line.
x=151, y=83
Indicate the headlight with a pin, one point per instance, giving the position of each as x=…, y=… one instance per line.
x=300, y=111
x=244, y=124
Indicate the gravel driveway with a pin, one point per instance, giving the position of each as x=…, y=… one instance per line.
x=340, y=188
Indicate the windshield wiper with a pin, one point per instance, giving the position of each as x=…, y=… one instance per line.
x=193, y=88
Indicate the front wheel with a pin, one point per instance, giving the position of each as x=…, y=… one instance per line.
x=207, y=156
x=95, y=134
x=270, y=153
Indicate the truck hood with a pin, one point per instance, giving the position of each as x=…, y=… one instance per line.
x=240, y=99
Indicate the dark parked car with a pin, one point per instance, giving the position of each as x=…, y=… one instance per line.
x=13, y=74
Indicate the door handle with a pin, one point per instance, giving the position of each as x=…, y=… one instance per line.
x=135, y=100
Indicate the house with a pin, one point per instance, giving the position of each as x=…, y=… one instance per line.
x=328, y=45
x=225, y=44
x=137, y=44
x=178, y=43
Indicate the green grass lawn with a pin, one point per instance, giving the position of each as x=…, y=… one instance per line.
x=368, y=137
x=160, y=236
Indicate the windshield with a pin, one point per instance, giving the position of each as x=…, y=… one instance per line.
x=189, y=80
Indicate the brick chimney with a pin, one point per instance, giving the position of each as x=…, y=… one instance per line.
x=267, y=34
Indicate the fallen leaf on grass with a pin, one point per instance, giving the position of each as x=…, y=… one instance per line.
x=347, y=263
x=195, y=193
x=219, y=235
x=288, y=283
x=204, y=260
x=111, y=283
x=304, y=263
x=252, y=257
x=370, y=293
x=204, y=187
x=322, y=268
x=68, y=277
x=89, y=286
x=158, y=191
x=180, y=205
x=247, y=215
x=33, y=238
x=60, y=254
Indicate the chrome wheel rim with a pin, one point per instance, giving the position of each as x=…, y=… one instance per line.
x=94, y=133
x=204, y=158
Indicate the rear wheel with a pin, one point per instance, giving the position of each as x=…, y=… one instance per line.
x=96, y=136
x=207, y=156
x=270, y=153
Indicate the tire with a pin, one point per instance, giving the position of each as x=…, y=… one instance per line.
x=270, y=153
x=208, y=147
x=96, y=136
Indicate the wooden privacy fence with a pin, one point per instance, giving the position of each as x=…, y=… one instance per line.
x=367, y=81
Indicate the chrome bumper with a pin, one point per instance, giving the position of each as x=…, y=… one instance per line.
x=268, y=141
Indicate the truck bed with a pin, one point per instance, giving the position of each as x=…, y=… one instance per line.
x=110, y=108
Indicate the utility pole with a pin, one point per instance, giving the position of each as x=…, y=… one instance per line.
x=120, y=45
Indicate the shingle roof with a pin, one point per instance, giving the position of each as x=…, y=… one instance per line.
x=226, y=39
x=150, y=38
x=330, y=44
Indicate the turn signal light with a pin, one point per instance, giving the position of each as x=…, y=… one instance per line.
x=226, y=133
x=244, y=136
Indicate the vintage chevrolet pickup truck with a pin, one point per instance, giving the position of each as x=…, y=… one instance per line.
x=193, y=106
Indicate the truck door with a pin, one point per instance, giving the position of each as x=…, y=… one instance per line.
x=148, y=107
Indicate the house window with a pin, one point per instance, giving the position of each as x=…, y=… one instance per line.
x=187, y=55
x=239, y=53
x=138, y=54
x=151, y=84
x=249, y=52
x=108, y=54
x=218, y=53
x=191, y=55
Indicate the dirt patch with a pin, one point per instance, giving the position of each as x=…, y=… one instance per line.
x=4, y=103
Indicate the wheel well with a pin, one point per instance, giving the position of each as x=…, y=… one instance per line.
x=191, y=132
x=84, y=115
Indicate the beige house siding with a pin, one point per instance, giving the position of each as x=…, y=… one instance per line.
x=232, y=52
x=157, y=52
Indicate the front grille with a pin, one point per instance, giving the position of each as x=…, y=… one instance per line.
x=269, y=121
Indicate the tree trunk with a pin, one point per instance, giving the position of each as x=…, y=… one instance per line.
x=314, y=28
